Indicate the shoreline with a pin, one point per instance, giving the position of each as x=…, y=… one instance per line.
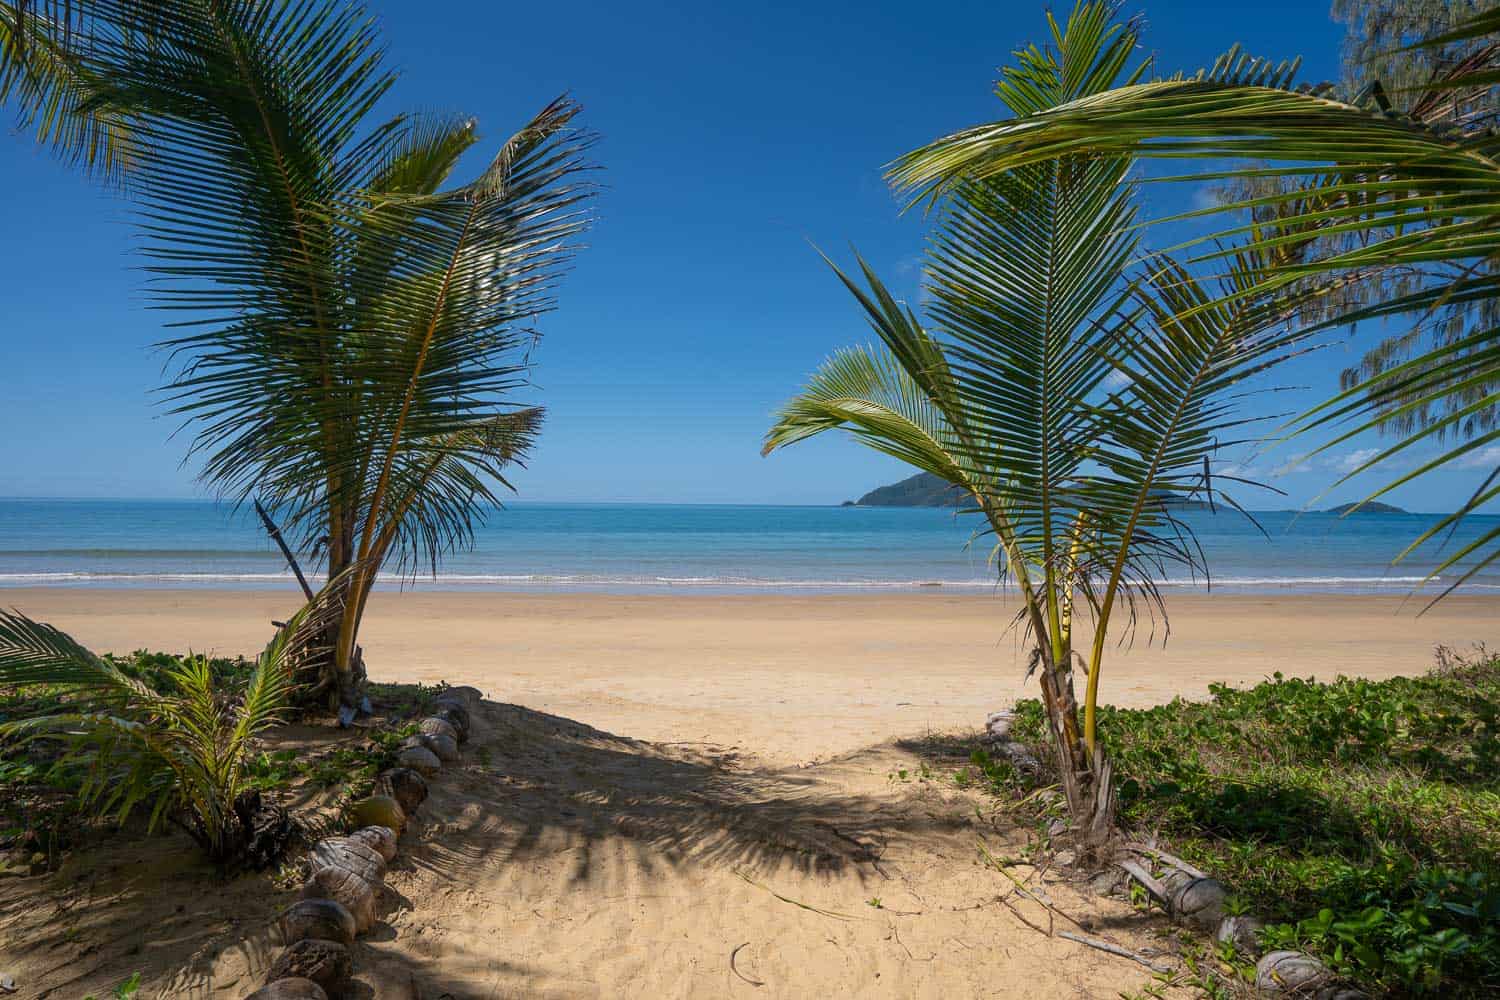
x=790, y=678
x=663, y=586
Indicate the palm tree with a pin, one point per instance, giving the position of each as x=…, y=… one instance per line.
x=1071, y=396
x=177, y=747
x=1392, y=185
x=351, y=328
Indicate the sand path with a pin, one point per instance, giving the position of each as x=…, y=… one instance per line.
x=573, y=863
x=559, y=861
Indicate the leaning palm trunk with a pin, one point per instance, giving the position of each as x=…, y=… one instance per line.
x=1072, y=395
x=352, y=330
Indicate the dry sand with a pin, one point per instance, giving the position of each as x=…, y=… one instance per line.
x=790, y=679
x=559, y=861
x=680, y=797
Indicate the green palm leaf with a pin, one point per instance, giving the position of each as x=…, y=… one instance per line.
x=178, y=748
x=1071, y=393
x=54, y=93
x=33, y=653
x=343, y=318
x=1417, y=191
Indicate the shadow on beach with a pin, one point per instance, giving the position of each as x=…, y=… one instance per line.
x=534, y=793
x=534, y=785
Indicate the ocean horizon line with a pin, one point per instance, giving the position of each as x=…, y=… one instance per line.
x=511, y=582
x=531, y=501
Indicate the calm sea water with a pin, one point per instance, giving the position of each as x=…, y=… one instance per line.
x=665, y=547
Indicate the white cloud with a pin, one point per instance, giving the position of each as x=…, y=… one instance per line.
x=1206, y=196
x=1484, y=458
x=910, y=265
x=1342, y=464
x=1290, y=467
x=1352, y=460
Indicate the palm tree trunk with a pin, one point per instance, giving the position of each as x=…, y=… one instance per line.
x=1086, y=780
x=323, y=680
x=327, y=680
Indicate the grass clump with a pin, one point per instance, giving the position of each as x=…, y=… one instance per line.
x=351, y=768
x=1360, y=818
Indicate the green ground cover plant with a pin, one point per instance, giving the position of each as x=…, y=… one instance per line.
x=40, y=813
x=164, y=740
x=91, y=743
x=1360, y=819
x=350, y=767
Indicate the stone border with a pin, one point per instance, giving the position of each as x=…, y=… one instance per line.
x=338, y=901
x=1194, y=899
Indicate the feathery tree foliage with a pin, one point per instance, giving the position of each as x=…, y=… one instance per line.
x=1072, y=394
x=1382, y=40
x=351, y=327
x=1384, y=60
x=176, y=749
x=1414, y=190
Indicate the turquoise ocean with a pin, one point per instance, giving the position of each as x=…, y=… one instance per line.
x=664, y=548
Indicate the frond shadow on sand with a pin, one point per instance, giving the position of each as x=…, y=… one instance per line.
x=547, y=800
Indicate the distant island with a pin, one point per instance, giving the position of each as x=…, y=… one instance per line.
x=922, y=490
x=926, y=490
x=1373, y=507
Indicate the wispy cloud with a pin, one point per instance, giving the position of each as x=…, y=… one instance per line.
x=1206, y=196
x=1291, y=467
x=1340, y=463
x=1298, y=464
x=1350, y=461
x=1484, y=458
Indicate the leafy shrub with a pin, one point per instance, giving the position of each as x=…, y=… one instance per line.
x=1361, y=817
x=170, y=738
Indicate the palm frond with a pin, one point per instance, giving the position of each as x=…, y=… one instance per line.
x=1075, y=396
x=422, y=156
x=1181, y=371
x=34, y=653
x=178, y=748
x=46, y=77
x=1378, y=189
x=1481, y=25
x=344, y=325
x=475, y=263
x=868, y=392
x=439, y=491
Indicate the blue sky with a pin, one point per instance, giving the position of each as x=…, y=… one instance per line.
x=734, y=137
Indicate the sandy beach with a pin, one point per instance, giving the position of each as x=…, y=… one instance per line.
x=789, y=678
x=674, y=796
